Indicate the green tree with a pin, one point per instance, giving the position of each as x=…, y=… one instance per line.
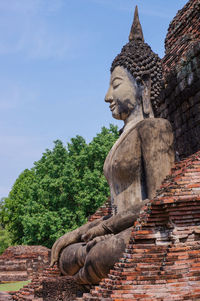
x=62, y=189
x=15, y=206
x=5, y=240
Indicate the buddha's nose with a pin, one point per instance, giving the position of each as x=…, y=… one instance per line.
x=109, y=97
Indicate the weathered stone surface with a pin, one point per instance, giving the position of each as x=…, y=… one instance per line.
x=142, y=143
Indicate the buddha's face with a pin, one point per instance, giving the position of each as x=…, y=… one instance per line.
x=122, y=93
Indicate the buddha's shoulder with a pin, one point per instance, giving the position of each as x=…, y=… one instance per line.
x=154, y=124
x=153, y=127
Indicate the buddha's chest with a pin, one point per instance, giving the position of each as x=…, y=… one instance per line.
x=123, y=163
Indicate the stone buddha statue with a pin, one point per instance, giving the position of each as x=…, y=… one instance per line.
x=135, y=167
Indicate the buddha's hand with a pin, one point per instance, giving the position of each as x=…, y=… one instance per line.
x=70, y=238
x=117, y=223
x=62, y=242
x=96, y=240
x=99, y=230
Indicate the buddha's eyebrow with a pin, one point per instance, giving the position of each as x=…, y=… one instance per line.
x=116, y=77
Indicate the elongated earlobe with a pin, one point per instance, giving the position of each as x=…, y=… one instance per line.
x=146, y=96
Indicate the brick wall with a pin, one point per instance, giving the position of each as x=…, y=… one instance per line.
x=181, y=64
x=22, y=262
x=183, y=31
x=104, y=210
x=181, y=105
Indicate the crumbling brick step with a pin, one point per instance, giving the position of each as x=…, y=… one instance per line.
x=13, y=276
x=5, y=296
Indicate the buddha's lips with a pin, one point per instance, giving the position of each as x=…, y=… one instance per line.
x=112, y=107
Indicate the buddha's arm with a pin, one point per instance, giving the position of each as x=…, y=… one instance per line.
x=157, y=151
x=116, y=223
x=70, y=238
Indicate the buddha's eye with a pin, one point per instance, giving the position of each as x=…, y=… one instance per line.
x=116, y=83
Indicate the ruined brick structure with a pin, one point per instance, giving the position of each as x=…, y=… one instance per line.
x=181, y=101
x=48, y=285
x=183, y=32
x=104, y=210
x=22, y=262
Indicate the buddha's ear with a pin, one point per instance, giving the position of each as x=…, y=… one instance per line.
x=146, y=94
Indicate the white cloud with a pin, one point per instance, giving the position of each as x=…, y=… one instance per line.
x=13, y=95
x=25, y=28
x=117, y=4
x=21, y=146
x=17, y=152
x=155, y=13
x=30, y=6
x=130, y=6
x=4, y=190
x=40, y=43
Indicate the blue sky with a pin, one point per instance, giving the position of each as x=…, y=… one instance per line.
x=55, y=57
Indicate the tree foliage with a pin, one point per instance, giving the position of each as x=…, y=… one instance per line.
x=62, y=189
x=5, y=240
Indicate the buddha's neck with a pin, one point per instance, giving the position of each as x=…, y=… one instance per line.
x=135, y=117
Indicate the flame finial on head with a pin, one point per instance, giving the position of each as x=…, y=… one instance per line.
x=141, y=62
x=136, y=29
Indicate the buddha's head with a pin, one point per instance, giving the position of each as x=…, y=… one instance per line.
x=136, y=77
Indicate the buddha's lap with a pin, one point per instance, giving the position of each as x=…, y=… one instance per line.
x=98, y=260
